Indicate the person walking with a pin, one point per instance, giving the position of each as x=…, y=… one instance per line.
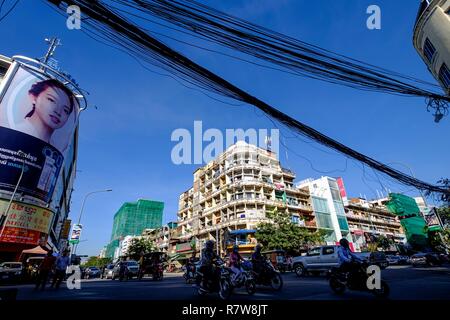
x=45, y=268
x=61, y=264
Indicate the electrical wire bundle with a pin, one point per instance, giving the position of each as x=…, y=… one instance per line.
x=294, y=56
x=119, y=31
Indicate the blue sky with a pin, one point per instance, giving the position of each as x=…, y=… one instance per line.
x=125, y=143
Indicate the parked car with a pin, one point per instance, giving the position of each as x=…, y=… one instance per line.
x=429, y=259
x=107, y=272
x=318, y=259
x=377, y=258
x=132, y=269
x=92, y=272
x=10, y=271
x=397, y=259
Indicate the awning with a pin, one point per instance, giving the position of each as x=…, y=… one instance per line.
x=35, y=250
x=242, y=231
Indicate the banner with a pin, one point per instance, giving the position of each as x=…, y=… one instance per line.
x=432, y=220
x=24, y=223
x=38, y=117
x=66, y=229
x=76, y=233
x=342, y=191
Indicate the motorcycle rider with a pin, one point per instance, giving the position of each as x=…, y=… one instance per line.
x=258, y=259
x=348, y=261
x=235, y=263
x=207, y=260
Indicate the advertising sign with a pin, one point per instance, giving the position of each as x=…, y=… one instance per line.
x=76, y=233
x=38, y=117
x=432, y=220
x=25, y=223
x=342, y=191
x=66, y=229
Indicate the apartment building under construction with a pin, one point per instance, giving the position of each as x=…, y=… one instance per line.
x=232, y=194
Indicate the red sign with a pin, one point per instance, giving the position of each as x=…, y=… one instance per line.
x=340, y=183
x=19, y=235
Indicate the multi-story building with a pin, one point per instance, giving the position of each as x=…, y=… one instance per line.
x=432, y=39
x=328, y=206
x=132, y=219
x=232, y=194
x=368, y=220
x=162, y=236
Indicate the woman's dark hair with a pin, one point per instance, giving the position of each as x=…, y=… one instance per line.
x=39, y=87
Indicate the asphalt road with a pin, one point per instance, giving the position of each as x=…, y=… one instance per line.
x=406, y=283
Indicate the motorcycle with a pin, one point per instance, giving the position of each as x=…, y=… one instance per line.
x=220, y=282
x=356, y=280
x=268, y=276
x=158, y=272
x=245, y=278
x=189, y=272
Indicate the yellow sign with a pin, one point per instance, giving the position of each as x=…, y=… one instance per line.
x=27, y=216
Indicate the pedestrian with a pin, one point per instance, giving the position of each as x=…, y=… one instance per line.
x=44, y=270
x=62, y=262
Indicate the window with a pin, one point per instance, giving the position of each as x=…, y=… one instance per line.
x=444, y=75
x=328, y=250
x=314, y=252
x=429, y=50
x=295, y=219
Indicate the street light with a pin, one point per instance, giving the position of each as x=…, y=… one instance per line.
x=82, y=208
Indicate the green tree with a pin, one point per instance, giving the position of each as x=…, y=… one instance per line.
x=97, y=262
x=140, y=246
x=285, y=235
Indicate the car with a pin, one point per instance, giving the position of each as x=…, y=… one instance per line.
x=316, y=260
x=132, y=269
x=92, y=272
x=428, y=259
x=397, y=259
x=10, y=271
x=377, y=258
x=107, y=272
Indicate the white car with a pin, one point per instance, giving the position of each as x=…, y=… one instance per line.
x=318, y=259
x=10, y=270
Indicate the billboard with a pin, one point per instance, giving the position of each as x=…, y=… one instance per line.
x=66, y=229
x=25, y=222
x=340, y=183
x=432, y=220
x=76, y=233
x=38, y=117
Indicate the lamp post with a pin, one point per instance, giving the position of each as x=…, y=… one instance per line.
x=81, y=212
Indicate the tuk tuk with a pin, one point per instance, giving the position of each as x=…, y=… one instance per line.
x=278, y=259
x=153, y=264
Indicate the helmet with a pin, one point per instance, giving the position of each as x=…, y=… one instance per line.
x=258, y=247
x=344, y=243
x=209, y=244
x=235, y=248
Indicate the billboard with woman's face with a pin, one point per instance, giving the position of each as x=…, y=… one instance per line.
x=38, y=117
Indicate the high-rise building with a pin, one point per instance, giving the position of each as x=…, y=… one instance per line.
x=232, y=194
x=132, y=219
x=432, y=39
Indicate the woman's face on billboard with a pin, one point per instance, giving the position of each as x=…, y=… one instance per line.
x=52, y=107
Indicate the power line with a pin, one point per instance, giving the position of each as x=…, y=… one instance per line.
x=133, y=39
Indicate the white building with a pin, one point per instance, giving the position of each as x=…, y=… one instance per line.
x=328, y=207
x=432, y=38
